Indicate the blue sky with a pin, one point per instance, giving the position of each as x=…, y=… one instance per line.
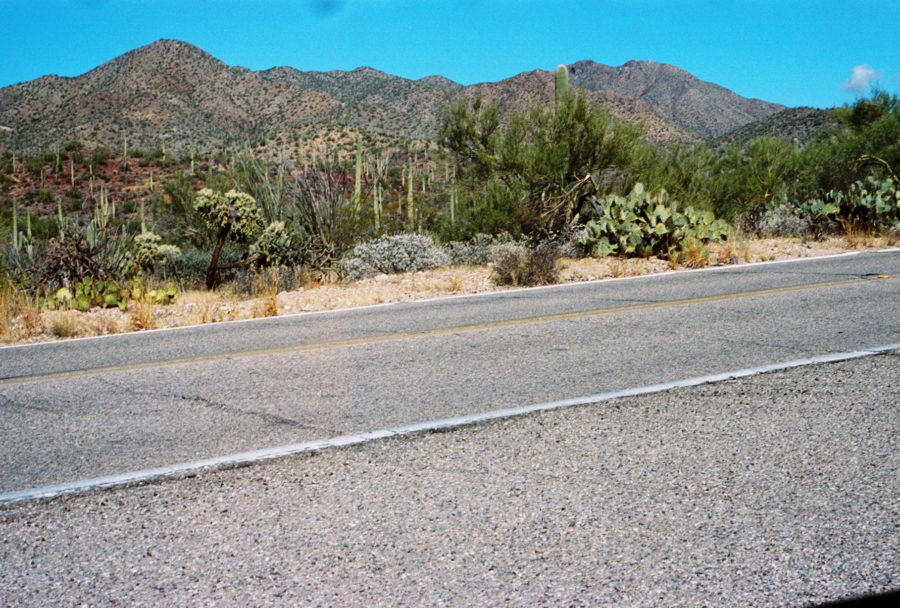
x=820, y=53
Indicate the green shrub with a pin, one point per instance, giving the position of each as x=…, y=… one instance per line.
x=496, y=209
x=393, y=254
x=540, y=157
x=868, y=143
x=34, y=165
x=188, y=265
x=476, y=250
x=100, y=157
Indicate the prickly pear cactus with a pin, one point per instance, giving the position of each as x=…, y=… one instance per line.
x=645, y=224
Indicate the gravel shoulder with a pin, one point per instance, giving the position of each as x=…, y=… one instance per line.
x=776, y=490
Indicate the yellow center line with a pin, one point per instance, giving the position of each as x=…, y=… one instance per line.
x=422, y=333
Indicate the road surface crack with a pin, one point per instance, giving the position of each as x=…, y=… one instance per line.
x=223, y=407
x=6, y=401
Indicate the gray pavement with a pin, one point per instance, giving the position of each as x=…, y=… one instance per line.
x=106, y=422
x=776, y=490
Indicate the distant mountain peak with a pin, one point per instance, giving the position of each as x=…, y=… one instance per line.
x=674, y=94
x=166, y=46
x=439, y=81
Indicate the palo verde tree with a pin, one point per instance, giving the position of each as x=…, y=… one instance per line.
x=552, y=157
x=866, y=143
x=235, y=215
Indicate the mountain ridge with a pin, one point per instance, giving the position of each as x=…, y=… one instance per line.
x=696, y=105
x=173, y=94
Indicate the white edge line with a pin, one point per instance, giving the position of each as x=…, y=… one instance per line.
x=255, y=456
x=652, y=275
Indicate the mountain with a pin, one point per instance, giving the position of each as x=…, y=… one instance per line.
x=375, y=101
x=174, y=95
x=167, y=93
x=538, y=86
x=378, y=102
x=674, y=95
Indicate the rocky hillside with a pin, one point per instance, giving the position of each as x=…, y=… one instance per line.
x=674, y=95
x=375, y=101
x=793, y=124
x=173, y=95
x=168, y=93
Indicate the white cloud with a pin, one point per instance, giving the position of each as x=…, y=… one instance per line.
x=863, y=75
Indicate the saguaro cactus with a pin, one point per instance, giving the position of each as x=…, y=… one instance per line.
x=357, y=186
x=410, y=208
x=15, y=225
x=562, y=84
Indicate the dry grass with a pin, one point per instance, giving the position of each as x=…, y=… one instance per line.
x=102, y=322
x=590, y=269
x=30, y=319
x=310, y=279
x=891, y=239
x=266, y=291
x=694, y=253
x=617, y=268
x=141, y=312
x=454, y=282
x=353, y=298
x=12, y=301
x=857, y=236
x=62, y=323
x=199, y=307
x=735, y=249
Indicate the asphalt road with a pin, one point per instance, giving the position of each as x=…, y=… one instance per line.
x=87, y=408
x=776, y=490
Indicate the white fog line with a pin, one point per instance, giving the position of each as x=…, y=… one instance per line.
x=443, y=424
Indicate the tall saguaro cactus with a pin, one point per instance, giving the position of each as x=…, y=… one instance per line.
x=357, y=186
x=562, y=84
x=410, y=208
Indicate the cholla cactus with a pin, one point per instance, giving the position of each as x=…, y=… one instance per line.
x=146, y=249
x=272, y=245
x=235, y=214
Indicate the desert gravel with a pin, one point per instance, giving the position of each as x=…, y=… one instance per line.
x=777, y=490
